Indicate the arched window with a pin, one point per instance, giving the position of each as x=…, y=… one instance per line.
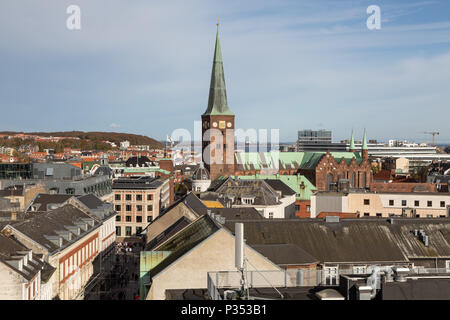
x=329, y=181
x=353, y=180
x=363, y=182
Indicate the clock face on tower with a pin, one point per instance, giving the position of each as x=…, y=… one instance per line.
x=215, y=124
x=229, y=124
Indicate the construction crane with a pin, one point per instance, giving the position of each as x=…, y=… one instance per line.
x=433, y=133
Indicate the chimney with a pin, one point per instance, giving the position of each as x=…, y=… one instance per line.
x=239, y=245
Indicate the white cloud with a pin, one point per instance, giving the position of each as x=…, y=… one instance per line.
x=287, y=64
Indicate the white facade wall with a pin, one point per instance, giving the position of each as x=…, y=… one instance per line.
x=200, y=185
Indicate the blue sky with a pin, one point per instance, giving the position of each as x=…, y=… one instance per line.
x=144, y=66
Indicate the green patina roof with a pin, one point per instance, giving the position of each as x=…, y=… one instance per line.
x=144, y=169
x=364, y=142
x=289, y=160
x=217, y=102
x=352, y=142
x=292, y=181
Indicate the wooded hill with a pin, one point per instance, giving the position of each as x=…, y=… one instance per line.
x=96, y=138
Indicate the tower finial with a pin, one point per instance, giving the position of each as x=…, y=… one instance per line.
x=218, y=19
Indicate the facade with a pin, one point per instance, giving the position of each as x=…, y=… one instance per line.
x=22, y=194
x=68, y=239
x=317, y=140
x=138, y=200
x=24, y=275
x=371, y=204
x=98, y=185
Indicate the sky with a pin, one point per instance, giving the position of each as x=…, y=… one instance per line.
x=144, y=66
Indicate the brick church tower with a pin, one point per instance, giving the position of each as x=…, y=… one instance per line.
x=218, y=123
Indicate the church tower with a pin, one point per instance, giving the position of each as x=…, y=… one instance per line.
x=218, y=123
x=352, y=143
x=364, y=148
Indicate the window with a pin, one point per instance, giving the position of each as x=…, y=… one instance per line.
x=118, y=218
x=138, y=218
x=391, y=202
x=447, y=265
x=138, y=208
x=391, y=214
x=297, y=208
x=150, y=207
x=128, y=207
x=379, y=214
x=138, y=230
x=118, y=231
x=331, y=275
x=139, y=197
x=442, y=204
x=149, y=197
x=308, y=208
x=366, y=202
x=416, y=203
x=429, y=203
x=118, y=208
x=117, y=197
x=128, y=218
x=149, y=218
x=128, y=197
x=359, y=269
x=403, y=203
x=429, y=216
x=270, y=215
x=128, y=231
x=366, y=214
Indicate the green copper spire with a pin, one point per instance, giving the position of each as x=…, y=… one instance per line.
x=352, y=142
x=364, y=142
x=217, y=102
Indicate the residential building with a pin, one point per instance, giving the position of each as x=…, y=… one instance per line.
x=60, y=178
x=138, y=200
x=24, y=275
x=302, y=187
x=68, y=239
x=272, y=198
x=383, y=204
x=22, y=194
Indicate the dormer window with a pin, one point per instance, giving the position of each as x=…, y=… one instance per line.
x=248, y=200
